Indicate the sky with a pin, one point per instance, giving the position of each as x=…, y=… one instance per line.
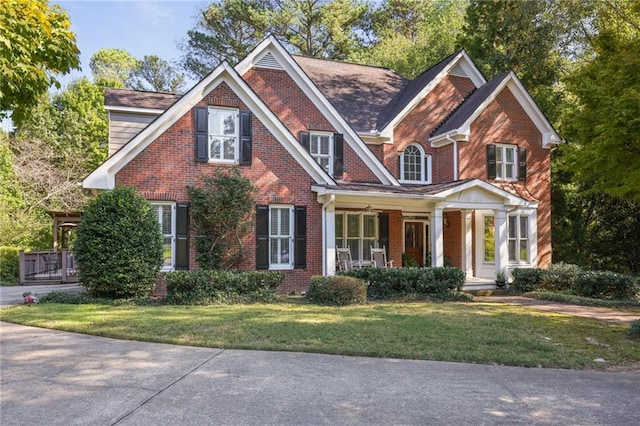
x=141, y=27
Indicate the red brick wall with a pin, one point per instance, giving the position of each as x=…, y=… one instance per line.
x=505, y=121
x=166, y=167
x=423, y=120
x=452, y=236
x=290, y=104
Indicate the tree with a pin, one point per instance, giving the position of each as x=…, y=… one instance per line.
x=230, y=29
x=153, y=73
x=409, y=36
x=504, y=35
x=604, y=125
x=220, y=210
x=74, y=124
x=112, y=67
x=119, y=245
x=37, y=43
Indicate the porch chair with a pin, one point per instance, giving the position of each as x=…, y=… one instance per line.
x=344, y=259
x=379, y=258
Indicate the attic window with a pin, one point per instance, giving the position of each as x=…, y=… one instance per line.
x=268, y=61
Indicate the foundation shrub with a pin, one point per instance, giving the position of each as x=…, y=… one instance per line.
x=336, y=290
x=606, y=285
x=526, y=279
x=559, y=276
x=634, y=330
x=392, y=283
x=204, y=287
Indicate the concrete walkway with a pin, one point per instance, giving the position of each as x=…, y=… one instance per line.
x=604, y=314
x=51, y=377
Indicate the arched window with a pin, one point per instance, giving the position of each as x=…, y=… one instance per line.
x=414, y=166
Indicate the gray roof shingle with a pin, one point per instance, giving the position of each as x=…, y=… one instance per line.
x=358, y=92
x=138, y=99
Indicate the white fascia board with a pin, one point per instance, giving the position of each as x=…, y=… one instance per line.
x=470, y=68
x=510, y=199
x=134, y=110
x=321, y=190
x=320, y=101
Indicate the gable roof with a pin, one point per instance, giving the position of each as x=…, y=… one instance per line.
x=271, y=46
x=458, y=125
x=123, y=99
x=360, y=93
x=104, y=176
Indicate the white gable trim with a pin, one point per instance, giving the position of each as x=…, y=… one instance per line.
x=509, y=199
x=271, y=45
x=460, y=61
x=511, y=81
x=104, y=176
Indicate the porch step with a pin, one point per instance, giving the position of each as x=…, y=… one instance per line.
x=486, y=292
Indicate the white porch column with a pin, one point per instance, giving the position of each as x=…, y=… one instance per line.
x=502, y=253
x=437, y=239
x=467, y=246
x=329, y=237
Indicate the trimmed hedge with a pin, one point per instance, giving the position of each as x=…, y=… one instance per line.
x=559, y=276
x=392, y=283
x=204, y=287
x=336, y=290
x=9, y=265
x=606, y=285
x=526, y=279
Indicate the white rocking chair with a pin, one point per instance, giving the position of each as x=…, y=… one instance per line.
x=344, y=260
x=379, y=258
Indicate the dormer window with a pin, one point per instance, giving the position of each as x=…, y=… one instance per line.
x=415, y=167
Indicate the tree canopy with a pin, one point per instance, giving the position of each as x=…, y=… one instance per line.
x=157, y=75
x=36, y=44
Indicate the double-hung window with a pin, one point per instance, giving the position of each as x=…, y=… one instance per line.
x=280, y=237
x=518, y=237
x=414, y=165
x=165, y=213
x=358, y=231
x=321, y=149
x=223, y=134
x=506, y=162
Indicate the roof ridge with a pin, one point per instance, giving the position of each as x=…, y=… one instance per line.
x=348, y=63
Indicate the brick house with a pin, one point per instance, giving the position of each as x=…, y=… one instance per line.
x=446, y=168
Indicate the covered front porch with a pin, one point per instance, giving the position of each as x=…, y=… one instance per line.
x=470, y=224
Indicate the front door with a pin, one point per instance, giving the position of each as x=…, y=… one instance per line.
x=414, y=241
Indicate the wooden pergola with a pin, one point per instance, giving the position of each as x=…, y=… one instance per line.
x=63, y=224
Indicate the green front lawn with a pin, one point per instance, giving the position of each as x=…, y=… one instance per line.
x=465, y=332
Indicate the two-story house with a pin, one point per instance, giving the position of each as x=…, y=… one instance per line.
x=446, y=168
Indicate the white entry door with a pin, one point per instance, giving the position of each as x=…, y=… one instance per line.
x=485, y=244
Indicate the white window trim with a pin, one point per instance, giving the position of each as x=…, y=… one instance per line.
x=501, y=167
x=172, y=206
x=316, y=156
x=425, y=165
x=237, y=136
x=283, y=266
x=361, y=237
x=531, y=238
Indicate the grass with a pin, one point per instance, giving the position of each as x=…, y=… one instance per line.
x=464, y=332
x=554, y=296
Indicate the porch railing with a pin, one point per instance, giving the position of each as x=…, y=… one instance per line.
x=48, y=267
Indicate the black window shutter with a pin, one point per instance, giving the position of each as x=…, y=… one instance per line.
x=522, y=164
x=262, y=237
x=338, y=155
x=182, y=236
x=383, y=230
x=202, y=125
x=491, y=161
x=303, y=137
x=300, y=235
x=245, y=137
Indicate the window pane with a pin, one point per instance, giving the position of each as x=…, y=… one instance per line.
x=524, y=224
x=229, y=123
x=509, y=171
x=314, y=145
x=354, y=246
x=488, y=226
x=369, y=226
x=284, y=222
x=274, y=220
x=513, y=226
x=229, y=148
x=499, y=154
x=353, y=225
x=524, y=250
x=324, y=162
x=489, y=251
x=324, y=145
x=166, y=250
x=366, y=249
x=512, y=251
x=274, y=251
x=339, y=225
x=510, y=155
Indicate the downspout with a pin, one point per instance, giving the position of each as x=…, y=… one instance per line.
x=332, y=198
x=455, y=156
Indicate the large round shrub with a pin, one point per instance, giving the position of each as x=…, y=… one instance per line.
x=119, y=245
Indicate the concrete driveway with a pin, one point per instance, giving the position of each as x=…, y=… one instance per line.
x=51, y=377
x=12, y=295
